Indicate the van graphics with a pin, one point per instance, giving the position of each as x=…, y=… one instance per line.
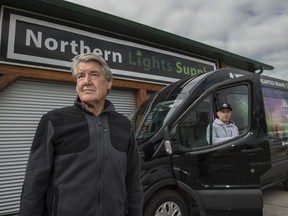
x=34, y=40
x=269, y=81
x=235, y=75
x=276, y=111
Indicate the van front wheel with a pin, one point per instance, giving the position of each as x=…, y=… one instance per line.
x=166, y=203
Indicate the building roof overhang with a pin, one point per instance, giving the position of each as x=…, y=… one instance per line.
x=129, y=30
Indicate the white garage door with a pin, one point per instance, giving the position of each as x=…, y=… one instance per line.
x=21, y=106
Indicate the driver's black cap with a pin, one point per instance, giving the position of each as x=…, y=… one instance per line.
x=225, y=106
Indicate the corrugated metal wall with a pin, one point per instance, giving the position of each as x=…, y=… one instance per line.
x=21, y=106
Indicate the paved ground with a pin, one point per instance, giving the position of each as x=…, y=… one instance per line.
x=275, y=201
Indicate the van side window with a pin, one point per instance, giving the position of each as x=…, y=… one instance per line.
x=276, y=111
x=194, y=130
x=237, y=97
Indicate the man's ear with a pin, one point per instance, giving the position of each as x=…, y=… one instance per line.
x=110, y=82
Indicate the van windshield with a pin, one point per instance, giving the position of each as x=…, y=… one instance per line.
x=154, y=113
x=151, y=116
x=159, y=108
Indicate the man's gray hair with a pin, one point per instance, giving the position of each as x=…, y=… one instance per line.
x=92, y=57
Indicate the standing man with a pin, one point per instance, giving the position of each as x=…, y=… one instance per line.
x=223, y=128
x=84, y=160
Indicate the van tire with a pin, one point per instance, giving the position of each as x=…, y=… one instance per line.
x=166, y=202
x=285, y=184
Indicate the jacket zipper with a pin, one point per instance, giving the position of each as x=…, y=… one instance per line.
x=105, y=152
x=100, y=165
x=53, y=205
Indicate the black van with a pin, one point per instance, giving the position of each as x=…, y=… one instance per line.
x=184, y=173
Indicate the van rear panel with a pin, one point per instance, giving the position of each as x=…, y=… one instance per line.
x=275, y=97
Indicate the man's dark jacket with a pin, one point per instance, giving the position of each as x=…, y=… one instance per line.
x=83, y=165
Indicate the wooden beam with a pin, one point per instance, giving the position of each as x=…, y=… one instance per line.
x=61, y=76
x=136, y=85
x=36, y=73
x=6, y=80
x=141, y=96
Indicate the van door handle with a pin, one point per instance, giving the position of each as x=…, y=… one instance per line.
x=251, y=151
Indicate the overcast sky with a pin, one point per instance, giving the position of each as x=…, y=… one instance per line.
x=256, y=29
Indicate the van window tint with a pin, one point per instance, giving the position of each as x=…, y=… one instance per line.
x=194, y=130
x=276, y=111
x=238, y=98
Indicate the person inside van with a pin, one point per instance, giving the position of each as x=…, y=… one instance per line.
x=223, y=128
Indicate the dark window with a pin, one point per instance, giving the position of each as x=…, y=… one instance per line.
x=194, y=129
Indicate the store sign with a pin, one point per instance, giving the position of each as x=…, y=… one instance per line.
x=40, y=41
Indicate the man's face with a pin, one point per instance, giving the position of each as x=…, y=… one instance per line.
x=224, y=115
x=91, y=85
